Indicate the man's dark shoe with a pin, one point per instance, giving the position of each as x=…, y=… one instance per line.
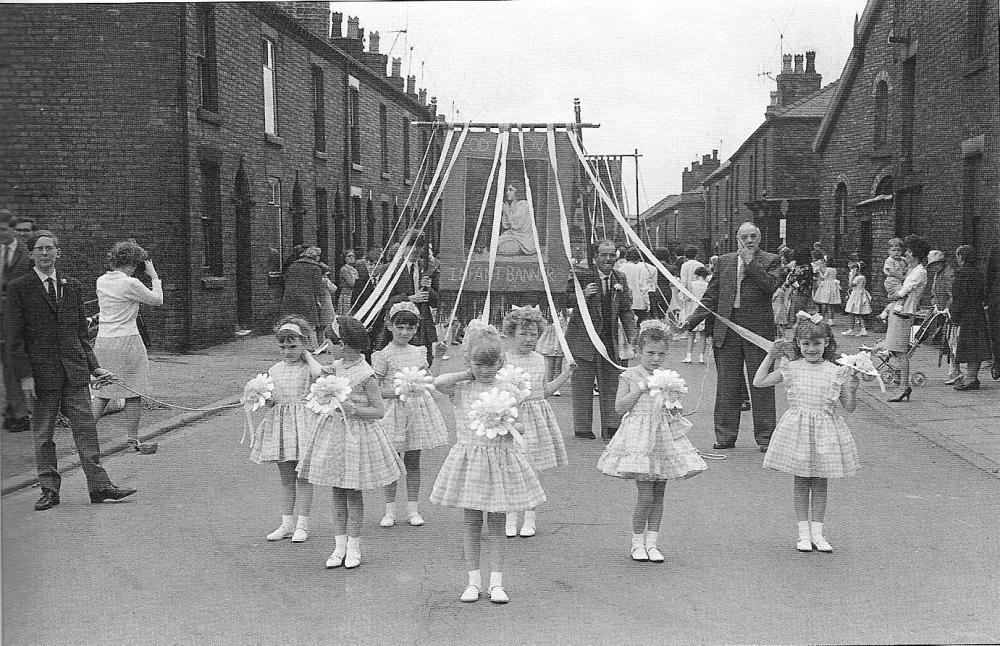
x=19, y=425
x=48, y=500
x=585, y=436
x=995, y=371
x=763, y=448
x=110, y=493
x=724, y=445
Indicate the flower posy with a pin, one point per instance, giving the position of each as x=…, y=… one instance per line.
x=515, y=380
x=668, y=385
x=257, y=391
x=412, y=381
x=328, y=393
x=862, y=363
x=493, y=413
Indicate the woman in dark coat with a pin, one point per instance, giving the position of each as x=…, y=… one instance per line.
x=304, y=288
x=967, y=301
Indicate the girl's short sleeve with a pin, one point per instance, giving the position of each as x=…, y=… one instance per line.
x=380, y=363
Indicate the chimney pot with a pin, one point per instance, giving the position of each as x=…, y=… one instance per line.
x=397, y=65
x=373, y=42
x=786, y=63
x=422, y=96
x=715, y=154
x=798, y=63
x=361, y=36
x=810, y=62
x=411, y=84
x=336, y=24
x=352, y=27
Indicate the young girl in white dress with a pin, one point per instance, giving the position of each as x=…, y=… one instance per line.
x=483, y=475
x=811, y=442
x=651, y=445
x=415, y=424
x=859, y=302
x=287, y=425
x=355, y=456
x=827, y=292
x=699, y=285
x=548, y=346
x=541, y=430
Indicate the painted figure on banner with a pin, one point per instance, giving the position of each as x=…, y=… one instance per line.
x=609, y=302
x=516, y=238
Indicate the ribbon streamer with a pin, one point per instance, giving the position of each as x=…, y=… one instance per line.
x=497, y=214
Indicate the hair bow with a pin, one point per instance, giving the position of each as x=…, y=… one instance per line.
x=654, y=324
x=803, y=316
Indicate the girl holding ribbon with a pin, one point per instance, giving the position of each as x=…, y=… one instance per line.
x=541, y=430
x=412, y=418
x=810, y=441
x=485, y=472
x=651, y=445
x=285, y=429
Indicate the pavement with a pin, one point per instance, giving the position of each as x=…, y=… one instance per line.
x=184, y=560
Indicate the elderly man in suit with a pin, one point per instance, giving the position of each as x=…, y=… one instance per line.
x=418, y=283
x=741, y=290
x=14, y=263
x=609, y=302
x=53, y=360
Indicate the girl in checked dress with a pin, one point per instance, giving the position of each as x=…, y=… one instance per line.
x=286, y=427
x=483, y=475
x=353, y=456
x=859, y=303
x=810, y=441
x=827, y=292
x=541, y=430
x=651, y=445
x=415, y=424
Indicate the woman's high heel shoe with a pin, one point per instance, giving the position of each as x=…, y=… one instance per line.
x=903, y=396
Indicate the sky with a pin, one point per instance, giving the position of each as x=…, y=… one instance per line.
x=674, y=79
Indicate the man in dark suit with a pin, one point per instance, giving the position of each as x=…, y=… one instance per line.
x=418, y=283
x=53, y=360
x=609, y=301
x=14, y=263
x=740, y=290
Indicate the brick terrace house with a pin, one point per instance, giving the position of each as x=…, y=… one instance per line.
x=771, y=178
x=218, y=135
x=909, y=143
x=680, y=219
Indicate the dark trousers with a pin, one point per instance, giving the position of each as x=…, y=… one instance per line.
x=607, y=377
x=731, y=389
x=640, y=315
x=75, y=401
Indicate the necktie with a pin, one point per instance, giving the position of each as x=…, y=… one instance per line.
x=607, y=285
x=740, y=269
x=50, y=287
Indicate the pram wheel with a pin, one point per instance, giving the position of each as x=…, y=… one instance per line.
x=889, y=375
x=918, y=379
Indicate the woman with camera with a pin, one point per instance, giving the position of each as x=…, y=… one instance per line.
x=119, y=347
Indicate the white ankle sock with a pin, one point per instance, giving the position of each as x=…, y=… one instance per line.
x=804, y=531
x=511, y=523
x=411, y=508
x=529, y=517
x=651, y=537
x=354, y=545
x=476, y=578
x=496, y=579
x=302, y=523
x=287, y=521
x=638, y=539
x=340, y=544
x=390, y=509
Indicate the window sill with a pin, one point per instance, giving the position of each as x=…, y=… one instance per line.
x=319, y=154
x=214, y=282
x=209, y=116
x=974, y=67
x=877, y=154
x=358, y=167
x=386, y=176
x=274, y=139
x=274, y=279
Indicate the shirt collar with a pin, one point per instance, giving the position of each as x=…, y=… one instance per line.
x=44, y=277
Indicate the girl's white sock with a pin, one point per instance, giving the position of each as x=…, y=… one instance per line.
x=476, y=578
x=651, y=537
x=302, y=523
x=804, y=531
x=354, y=545
x=390, y=509
x=496, y=579
x=411, y=508
x=638, y=539
x=340, y=544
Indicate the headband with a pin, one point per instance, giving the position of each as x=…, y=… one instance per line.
x=803, y=316
x=525, y=309
x=291, y=327
x=654, y=324
x=404, y=306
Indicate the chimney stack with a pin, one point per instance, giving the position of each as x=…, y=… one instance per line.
x=397, y=65
x=336, y=25
x=314, y=16
x=352, y=27
x=373, y=42
x=715, y=154
x=810, y=62
x=422, y=96
x=786, y=60
x=411, y=84
x=433, y=107
x=798, y=63
x=794, y=84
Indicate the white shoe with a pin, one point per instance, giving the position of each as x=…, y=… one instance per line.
x=497, y=594
x=470, y=594
x=821, y=544
x=687, y=358
x=300, y=535
x=639, y=553
x=415, y=519
x=527, y=530
x=336, y=560
x=654, y=554
x=284, y=531
x=387, y=521
x=804, y=545
x=557, y=393
x=511, y=526
x=701, y=358
x=352, y=559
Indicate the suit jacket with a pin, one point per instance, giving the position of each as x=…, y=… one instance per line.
x=403, y=290
x=621, y=310
x=305, y=289
x=20, y=264
x=48, y=340
x=760, y=280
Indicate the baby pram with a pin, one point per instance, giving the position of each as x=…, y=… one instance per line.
x=930, y=328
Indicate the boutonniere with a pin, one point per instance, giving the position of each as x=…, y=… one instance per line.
x=618, y=287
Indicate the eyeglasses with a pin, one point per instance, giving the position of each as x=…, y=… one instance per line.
x=45, y=248
x=28, y=230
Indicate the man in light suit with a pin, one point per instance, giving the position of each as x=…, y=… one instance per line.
x=53, y=360
x=14, y=263
x=609, y=301
x=740, y=290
